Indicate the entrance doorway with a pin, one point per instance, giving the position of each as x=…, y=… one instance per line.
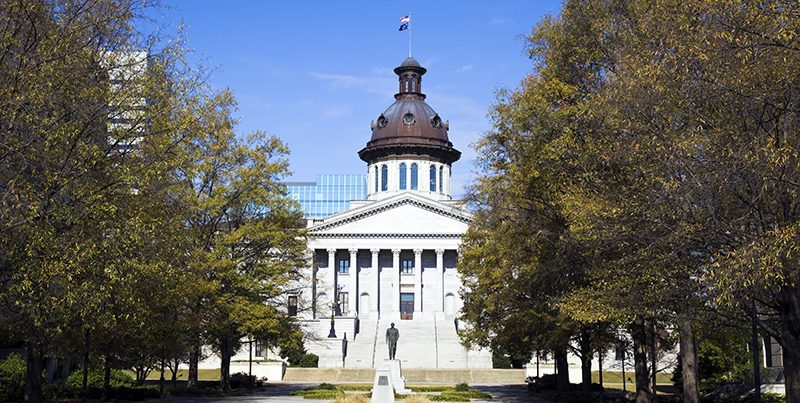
x=406, y=306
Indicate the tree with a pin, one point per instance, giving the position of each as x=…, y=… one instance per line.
x=247, y=238
x=95, y=116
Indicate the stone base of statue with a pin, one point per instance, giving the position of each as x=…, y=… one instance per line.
x=398, y=381
x=382, y=388
x=388, y=381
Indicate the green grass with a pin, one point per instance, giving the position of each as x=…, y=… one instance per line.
x=183, y=374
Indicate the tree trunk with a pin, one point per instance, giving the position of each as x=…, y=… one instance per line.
x=791, y=373
x=194, y=360
x=562, y=370
x=586, y=361
x=225, y=365
x=788, y=299
x=106, y=382
x=161, y=380
x=85, y=387
x=639, y=336
x=174, y=369
x=33, y=374
x=691, y=387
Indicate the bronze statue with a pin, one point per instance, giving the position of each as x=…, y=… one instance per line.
x=392, y=335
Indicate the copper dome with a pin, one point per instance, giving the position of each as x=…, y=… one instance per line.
x=409, y=125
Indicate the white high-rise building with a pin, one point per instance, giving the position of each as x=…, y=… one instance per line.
x=392, y=258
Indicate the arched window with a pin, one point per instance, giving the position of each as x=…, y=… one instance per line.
x=433, y=178
x=376, y=179
x=414, y=176
x=384, y=178
x=441, y=172
x=402, y=176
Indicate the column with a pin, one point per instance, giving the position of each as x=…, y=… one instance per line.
x=353, y=294
x=417, y=280
x=439, y=280
x=376, y=278
x=396, y=282
x=330, y=287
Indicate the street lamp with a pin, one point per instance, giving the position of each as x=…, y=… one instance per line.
x=332, y=334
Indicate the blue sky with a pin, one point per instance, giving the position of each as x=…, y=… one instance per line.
x=315, y=73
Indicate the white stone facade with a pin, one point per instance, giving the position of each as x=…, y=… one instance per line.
x=389, y=260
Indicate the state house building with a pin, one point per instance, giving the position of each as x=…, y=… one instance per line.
x=391, y=256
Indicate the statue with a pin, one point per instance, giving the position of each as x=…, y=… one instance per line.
x=392, y=335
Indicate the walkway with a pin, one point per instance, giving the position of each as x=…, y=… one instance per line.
x=279, y=394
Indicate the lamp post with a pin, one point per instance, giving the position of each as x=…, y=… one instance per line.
x=332, y=334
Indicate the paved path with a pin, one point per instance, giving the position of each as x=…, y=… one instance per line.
x=279, y=394
x=506, y=393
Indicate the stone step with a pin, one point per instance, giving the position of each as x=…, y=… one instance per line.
x=361, y=351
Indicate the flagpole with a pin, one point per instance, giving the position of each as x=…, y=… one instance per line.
x=409, y=34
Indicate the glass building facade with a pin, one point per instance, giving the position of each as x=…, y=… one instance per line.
x=330, y=194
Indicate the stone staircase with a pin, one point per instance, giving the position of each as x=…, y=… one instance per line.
x=361, y=350
x=425, y=342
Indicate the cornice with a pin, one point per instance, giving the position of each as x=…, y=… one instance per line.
x=371, y=210
x=386, y=236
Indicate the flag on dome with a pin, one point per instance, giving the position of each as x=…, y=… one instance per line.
x=405, y=19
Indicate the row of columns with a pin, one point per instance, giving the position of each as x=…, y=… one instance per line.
x=375, y=280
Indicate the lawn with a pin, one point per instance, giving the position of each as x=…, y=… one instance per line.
x=183, y=374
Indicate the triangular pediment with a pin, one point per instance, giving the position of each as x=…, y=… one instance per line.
x=406, y=214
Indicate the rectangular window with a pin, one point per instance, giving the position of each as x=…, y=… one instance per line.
x=344, y=266
x=441, y=169
x=259, y=349
x=344, y=303
x=414, y=176
x=384, y=178
x=293, y=305
x=407, y=266
x=402, y=176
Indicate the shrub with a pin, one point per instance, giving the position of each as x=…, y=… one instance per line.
x=12, y=378
x=309, y=361
x=468, y=394
x=326, y=386
x=431, y=388
x=242, y=380
x=59, y=391
x=500, y=361
x=356, y=387
x=95, y=378
x=462, y=387
x=544, y=382
x=449, y=398
x=321, y=394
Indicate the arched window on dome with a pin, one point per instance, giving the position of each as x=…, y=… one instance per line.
x=376, y=179
x=441, y=172
x=403, y=176
x=433, y=178
x=384, y=178
x=414, y=175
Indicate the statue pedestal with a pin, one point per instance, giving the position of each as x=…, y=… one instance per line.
x=382, y=388
x=398, y=382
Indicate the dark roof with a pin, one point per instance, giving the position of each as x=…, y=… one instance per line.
x=410, y=125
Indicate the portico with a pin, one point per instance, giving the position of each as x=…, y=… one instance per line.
x=389, y=282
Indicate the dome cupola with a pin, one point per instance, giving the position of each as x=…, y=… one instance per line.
x=409, y=134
